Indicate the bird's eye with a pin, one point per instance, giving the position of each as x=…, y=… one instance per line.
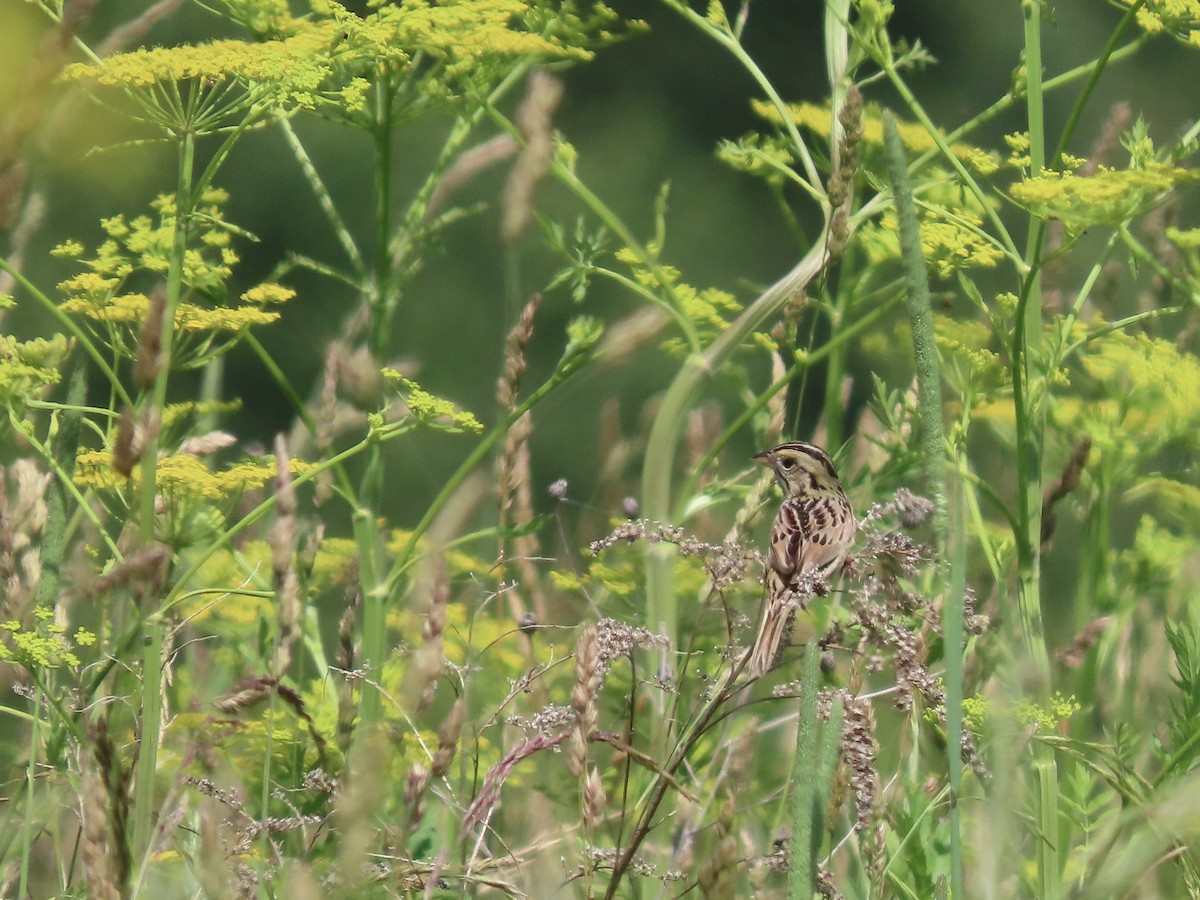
x=787, y=463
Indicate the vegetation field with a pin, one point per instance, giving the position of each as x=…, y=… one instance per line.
x=381, y=382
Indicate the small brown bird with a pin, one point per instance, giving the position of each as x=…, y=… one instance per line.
x=812, y=534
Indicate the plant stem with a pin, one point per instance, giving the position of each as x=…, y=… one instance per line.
x=804, y=788
x=151, y=687
x=370, y=492
x=933, y=443
x=1029, y=389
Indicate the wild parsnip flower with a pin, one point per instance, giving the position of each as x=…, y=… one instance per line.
x=233, y=80
x=183, y=475
x=43, y=645
x=1108, y=197
x=963, y=343
x=1178, y=18
x=951, y=231
x=139, y=249
x=708, y=310
x=28, y=366
x=329, y=59
x=819, y=120
x=431, y=410
x=1148, y=388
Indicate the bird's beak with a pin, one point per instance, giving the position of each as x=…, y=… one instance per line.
x=766, y=458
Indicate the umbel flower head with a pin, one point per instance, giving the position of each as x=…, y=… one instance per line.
x=106, y=292
x=329, y=59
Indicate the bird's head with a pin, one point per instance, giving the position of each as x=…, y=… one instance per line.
x=802, y=469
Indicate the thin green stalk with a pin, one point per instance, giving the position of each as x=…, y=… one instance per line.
x=806, y=816
x=1029, y=389
x=724, y=35
x=1093, y=77
x=151, y=687
x=929, y=382
x=370, y=492
x=147, y=763
x=317, y=185
x=933, y=443
x=953, y=637
x=27, y=827
x=183, y=211
x=1028, y=386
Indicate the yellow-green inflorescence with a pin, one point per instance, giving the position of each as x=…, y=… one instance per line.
x=46, y=645
x=1178, y=18
x=28, y=366
x=916, y=139
x=136, y=254
x=329, y=58
x=183, y=475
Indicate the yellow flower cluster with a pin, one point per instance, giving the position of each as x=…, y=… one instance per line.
x=289, y=71
x=45, y=645
x=28, y=366
x=1109, y=196
x=708, y=310
x=329, y=58
x=431, y=410
x=143, y=245
x=183, y=475
x=1056, y=711
x=1179, y=18
x=818, y=119
x=966, y=341
x=951, y=240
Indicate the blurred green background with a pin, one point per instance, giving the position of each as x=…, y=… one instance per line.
x=647, y=111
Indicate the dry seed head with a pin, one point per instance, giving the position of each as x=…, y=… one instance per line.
x=282, y=540
x=414, y=794
x=718, y=874
x=21, y=523
x=116, y=780
x=533, y=118
x=593, y=800
x=327, y=404
x=125, y=456
x=859, y=750
x=1109, y=141
x=489, y=795
x=1067, y=482
x=358, y=796
x=514, y=355
x=149, y=356
x=429, y=658
x=97, y=839
x=911, y=508
x=362, y=379
x=144, y=570
x=467, y=166
x=583, y=697
x=207, y=444
x=250, y=692
x=850, y=117
x=448, y=736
